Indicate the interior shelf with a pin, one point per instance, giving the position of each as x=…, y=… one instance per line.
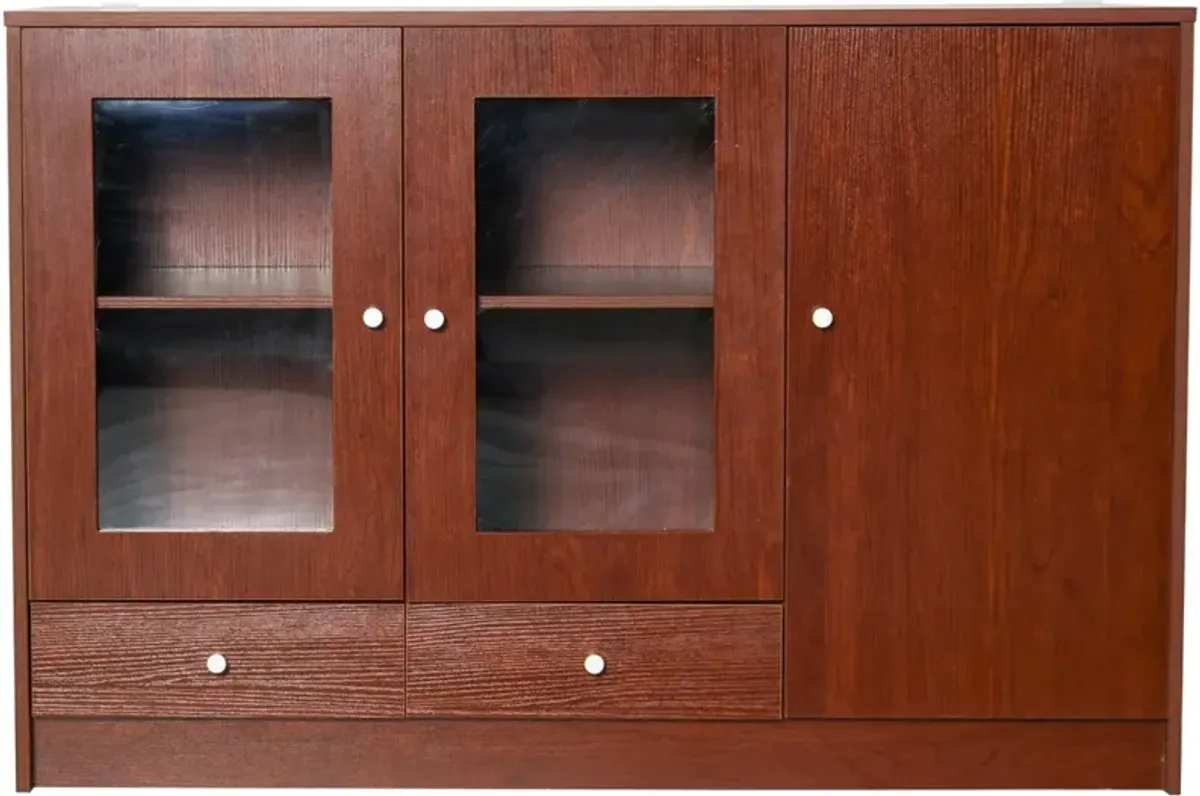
x=594, y=302
x=593, y=282
x=213, y=302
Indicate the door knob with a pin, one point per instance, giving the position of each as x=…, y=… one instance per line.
x=822, y=318
x=216, y=663
x=372, y=317
x=593, y=665
x=434, y=319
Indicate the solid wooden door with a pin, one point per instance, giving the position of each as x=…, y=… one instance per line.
x=594, y=313
x=212, y=244
x=979, y=446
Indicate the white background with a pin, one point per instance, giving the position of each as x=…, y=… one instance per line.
x=1191, y=740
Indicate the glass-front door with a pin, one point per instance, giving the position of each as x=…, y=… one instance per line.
x=592, y=416
x=213, y=298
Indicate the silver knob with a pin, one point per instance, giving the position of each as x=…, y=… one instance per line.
x=372, y=317
x=434, y=319
x=822, y=318
x=216, y=663
x=593, y=665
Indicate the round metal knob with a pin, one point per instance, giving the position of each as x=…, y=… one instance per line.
x=822, y=318
x=434, y=319
x=594, y=665
x=372, y=317
x=216, y=663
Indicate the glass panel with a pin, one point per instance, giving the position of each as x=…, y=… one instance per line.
x=214, y=419
x=212, y=197
x=595, y=197
x=592, y=420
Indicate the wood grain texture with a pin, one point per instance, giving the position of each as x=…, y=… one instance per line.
x=980, y=448
x=600, y=754
x=1172, y=769
x=1080, y=14
x=128, y=660
x=743, y=69
x=359, y=70
x=661, y=661
x=16, y=305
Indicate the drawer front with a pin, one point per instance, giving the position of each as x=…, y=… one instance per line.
x=659, y=661
x=152, y=660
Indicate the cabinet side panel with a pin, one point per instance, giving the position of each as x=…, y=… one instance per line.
x=980, y=448
x=16, y=304
x=1174, y=758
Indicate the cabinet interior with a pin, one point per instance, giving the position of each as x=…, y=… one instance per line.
x=214, y=420
x=607, y=197
x=213, y=198
x=591, y=420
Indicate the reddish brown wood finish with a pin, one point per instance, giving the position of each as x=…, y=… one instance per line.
x=661, y=661
x=16, y=303
x=1172, y=782
x=1093, y=14
x=360, y=71
x=285, y=660
x=742, y=68
x=610, y=754
x=980, y=448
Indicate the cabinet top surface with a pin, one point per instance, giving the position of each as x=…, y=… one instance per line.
x=1065, y=14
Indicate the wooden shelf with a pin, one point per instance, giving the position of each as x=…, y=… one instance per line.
x=213, y=302
x=593, y=302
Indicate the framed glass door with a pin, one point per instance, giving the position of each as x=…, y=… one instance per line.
x=213, y=280
x=583, y=384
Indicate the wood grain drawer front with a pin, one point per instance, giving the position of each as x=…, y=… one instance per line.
x=659, y=661
x=151, y=660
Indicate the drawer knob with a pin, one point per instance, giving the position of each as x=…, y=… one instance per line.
x=822, y=317
x=217, y=664
x=372, y=317
x=434, y=319
x=593, y=665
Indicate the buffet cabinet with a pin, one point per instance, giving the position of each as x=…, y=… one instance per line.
x=755, y=399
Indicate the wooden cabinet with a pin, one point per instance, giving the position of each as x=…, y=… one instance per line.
x=600, y=399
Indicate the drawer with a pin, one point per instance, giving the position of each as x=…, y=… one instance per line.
x=658, y=661
x=153, y=660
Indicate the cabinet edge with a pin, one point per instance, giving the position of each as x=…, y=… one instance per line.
x=16, y=268
x=1173, y=757
x=1094, y=14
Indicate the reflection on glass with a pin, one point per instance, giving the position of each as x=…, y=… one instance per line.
x=594, y=197
x=212, y=197
x=214, y=420
x=595, y=420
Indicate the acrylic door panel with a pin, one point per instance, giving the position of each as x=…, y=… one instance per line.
x=208, y=214
x=979, y=446
x=594, y=313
